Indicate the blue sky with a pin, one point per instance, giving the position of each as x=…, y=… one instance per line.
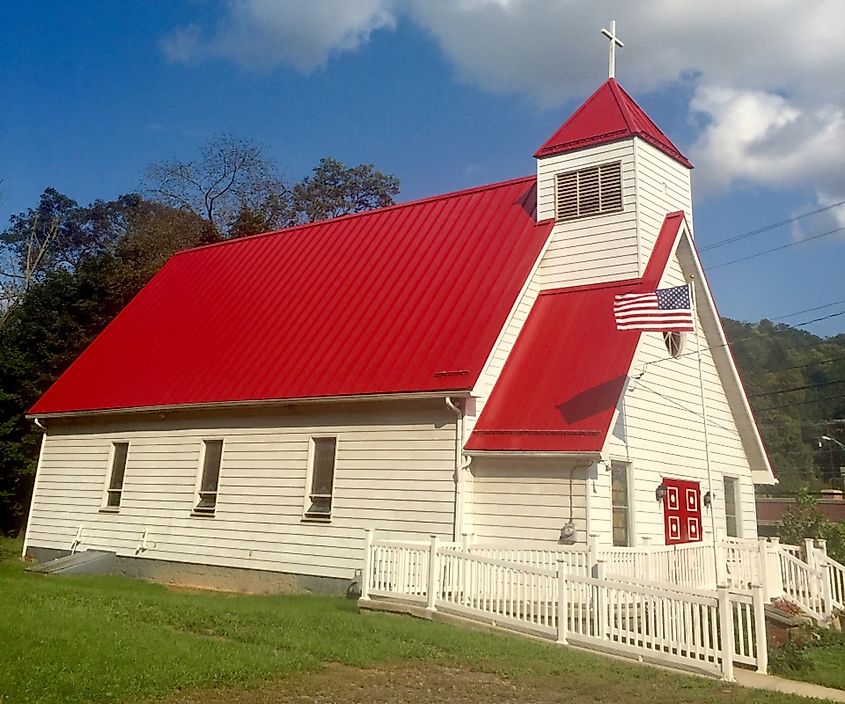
x=447, y=95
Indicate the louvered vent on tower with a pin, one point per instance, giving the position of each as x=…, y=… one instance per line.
x=586, y=192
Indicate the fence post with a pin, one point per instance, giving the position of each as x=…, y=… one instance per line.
x=466, y=541
x=809, y=552
x=720, y=556
x=600, y=604
x=726, y=632
x=431, y=588
x=562, y=604
x=827, y=592
x=763, y=566
x=593, y=558
x=822, y=545
x=760, y=636
x=647, y=575
x=366, y=573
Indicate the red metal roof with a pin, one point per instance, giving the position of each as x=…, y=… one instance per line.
x=608, y=115
x=563, y=379
x=408, y=298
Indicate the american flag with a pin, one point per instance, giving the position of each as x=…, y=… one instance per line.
x=664, y=310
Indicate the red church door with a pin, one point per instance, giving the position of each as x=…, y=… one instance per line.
x=682, y=511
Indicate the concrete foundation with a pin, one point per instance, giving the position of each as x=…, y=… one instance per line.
x=198, y=576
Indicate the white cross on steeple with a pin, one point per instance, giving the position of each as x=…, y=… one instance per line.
x=614, y=42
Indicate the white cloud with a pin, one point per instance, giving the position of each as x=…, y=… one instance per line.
x=260, y=34
x=766, y=74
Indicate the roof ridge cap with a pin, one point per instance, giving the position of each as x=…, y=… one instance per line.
x=395, y=206
x=619, y=96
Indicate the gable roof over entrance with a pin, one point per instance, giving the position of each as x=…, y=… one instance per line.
x=404, y=299
x=562, y=382
x=608, y=115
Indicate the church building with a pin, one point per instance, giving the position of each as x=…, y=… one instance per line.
x=451, y=366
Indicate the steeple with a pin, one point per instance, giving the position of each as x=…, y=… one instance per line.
x=608, y=115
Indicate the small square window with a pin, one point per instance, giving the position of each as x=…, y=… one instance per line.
x=321, y=479
x=114, y=491
x=207, y=490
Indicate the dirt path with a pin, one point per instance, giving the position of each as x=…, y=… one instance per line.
x=338, y=684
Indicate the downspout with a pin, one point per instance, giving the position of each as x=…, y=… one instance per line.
x=458, y=523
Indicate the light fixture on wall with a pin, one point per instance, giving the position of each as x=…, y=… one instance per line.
x=660, y=492
x=707, y=500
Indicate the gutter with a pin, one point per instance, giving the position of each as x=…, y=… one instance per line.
x=590, y=456
x=458, y=523
x=270, y=403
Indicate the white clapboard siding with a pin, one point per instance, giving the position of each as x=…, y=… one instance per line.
x=394, y=473
x=660, y=430
x=525, y=499
x=663, y=186
x=591, y=249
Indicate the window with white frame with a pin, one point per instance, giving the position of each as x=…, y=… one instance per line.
x=212, y=454
x=620, y=499
x=586, y=192
x=731, y=502
x=114, y=490
x=318, y=503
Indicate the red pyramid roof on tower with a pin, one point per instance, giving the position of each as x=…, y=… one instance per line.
x=608, y=115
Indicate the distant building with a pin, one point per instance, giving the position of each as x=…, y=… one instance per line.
x=770, y=509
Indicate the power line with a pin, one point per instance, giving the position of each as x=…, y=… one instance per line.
x=803, y=403
x=767, y=228
x=675, y=403
x=776, y=249
x=796, y=366
x=806, y=387
x=808, y=310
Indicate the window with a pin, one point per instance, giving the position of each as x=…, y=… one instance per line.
x=593, y=191
x=118, y=468
x=674, y=342
x=731, y=522
x=619, y=499
x=207, y=490
x=321, y=479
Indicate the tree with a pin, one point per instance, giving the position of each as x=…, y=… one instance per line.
x=235, y=188
x=63, y=311
x=231, y=174
x=334, y=190
x=804, y=520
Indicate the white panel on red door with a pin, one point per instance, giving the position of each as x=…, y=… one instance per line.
x=674, y=528
x=672, y=498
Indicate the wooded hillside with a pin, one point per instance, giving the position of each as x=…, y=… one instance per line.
x=795, y=382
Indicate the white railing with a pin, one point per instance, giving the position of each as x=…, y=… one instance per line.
x=398, y=569
x=690, y=565
x=708, y=630
x=519, y=595
x=833, y=572
x=744, y=561
x=803, y=585
x=577, y=558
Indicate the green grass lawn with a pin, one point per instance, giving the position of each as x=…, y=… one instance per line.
x=815, y=655
x=98, y=639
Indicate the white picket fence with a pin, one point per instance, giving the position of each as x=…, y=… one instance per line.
x=707, y=630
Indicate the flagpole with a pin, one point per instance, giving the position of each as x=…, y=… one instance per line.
x=704, y=421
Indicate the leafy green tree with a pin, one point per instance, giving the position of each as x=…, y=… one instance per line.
x=804, y=520
x=334, y=190
x=63, y=311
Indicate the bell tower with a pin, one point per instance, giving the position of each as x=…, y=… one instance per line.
x=607, y=176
